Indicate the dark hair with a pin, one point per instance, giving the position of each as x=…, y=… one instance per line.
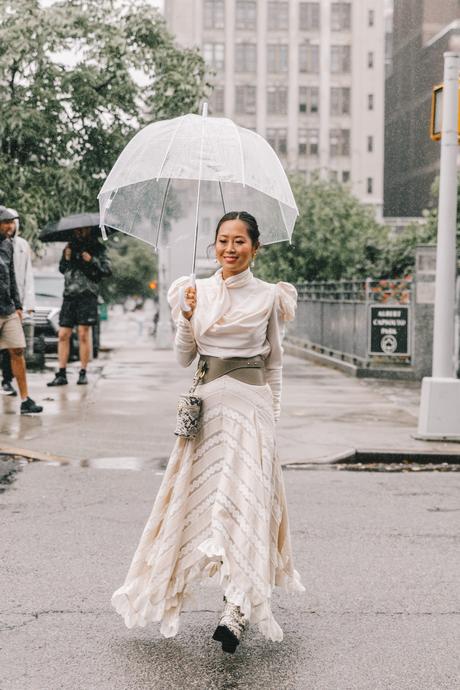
x=250, y=221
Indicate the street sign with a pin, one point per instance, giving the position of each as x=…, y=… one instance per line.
x=389, y=330
x=436, y=112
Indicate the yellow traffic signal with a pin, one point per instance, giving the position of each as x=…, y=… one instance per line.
x=436, y=113
x=153, y=285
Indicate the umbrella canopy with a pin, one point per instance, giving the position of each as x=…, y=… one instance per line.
x=62, y=230
x=179, y=176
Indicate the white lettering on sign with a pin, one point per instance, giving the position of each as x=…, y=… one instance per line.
x=389, y=331
x=390, y=312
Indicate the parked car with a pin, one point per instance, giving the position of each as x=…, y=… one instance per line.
x=48, y=296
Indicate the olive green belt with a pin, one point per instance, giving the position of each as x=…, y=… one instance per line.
x=246, y=369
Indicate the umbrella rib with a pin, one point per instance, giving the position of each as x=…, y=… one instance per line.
x=284, y=220
x=222, y=196
x=243, y=172
x=171, y=141
x=163, y=205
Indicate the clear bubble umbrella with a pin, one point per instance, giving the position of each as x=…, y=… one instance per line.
x=176, y=178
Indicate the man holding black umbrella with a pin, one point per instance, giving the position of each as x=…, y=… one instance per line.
x=84, y=264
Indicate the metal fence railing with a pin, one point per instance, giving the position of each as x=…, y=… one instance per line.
x=334, y=317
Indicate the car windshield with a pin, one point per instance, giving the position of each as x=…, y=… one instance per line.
x=49, y=286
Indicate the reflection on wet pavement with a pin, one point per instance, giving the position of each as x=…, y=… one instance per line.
x=124, y=463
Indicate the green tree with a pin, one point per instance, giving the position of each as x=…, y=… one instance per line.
x=400, y=251
x=63, y=122
x=335, y=237
x=134, y=266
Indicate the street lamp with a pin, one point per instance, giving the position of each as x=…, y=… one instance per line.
x=439, y=416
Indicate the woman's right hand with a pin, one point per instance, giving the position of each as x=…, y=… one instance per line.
x=190, y=299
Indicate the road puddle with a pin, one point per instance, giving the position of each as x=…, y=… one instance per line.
x=125, y=463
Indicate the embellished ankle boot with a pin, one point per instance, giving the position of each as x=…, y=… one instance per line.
x=231, y=626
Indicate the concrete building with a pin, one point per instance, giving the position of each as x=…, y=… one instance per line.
x=422, y=31
x=308, y=76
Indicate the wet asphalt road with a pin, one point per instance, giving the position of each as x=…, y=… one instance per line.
x=378, y=554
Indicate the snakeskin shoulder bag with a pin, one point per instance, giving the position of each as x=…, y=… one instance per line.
x=188, y=421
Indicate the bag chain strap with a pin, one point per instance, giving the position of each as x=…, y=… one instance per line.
x=199, y=374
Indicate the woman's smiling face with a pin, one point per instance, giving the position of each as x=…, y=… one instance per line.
x=234, y=248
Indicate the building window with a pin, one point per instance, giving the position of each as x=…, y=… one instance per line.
x=340, y=59
x=216, y=101
x=245, y=99
x=246, y=14
x=277, y=138
x=370, y=185
x=345, y=176
x=340, y=100
x=245, y=57
x=370, y=59
x=309, y=58
x=278, y=15
x=370, y=101
x=371, y=18
x=339, y=142
x=370, y=144
x=333, y=175
x=277, y=100
x=277, y=58
x=309, y=99
x=213, y=54
x=340, y=16
x=214, y=13
x=309, y=16
x=308, y=144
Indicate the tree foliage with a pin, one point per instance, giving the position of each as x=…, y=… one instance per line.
x=72, y=97
x=400, y=251
x=335, y=237
x=134, y=266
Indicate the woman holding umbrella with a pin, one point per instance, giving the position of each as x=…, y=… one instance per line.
x=221, y=508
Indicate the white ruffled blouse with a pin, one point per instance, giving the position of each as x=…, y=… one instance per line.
x=241, y=316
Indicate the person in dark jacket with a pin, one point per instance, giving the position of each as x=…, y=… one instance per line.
x=84, y=263
x=11, y=331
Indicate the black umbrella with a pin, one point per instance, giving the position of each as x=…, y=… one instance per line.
x=63, y=229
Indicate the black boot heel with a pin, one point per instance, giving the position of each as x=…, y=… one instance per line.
x=229, y=641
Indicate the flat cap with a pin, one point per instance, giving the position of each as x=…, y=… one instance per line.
x=6, y=214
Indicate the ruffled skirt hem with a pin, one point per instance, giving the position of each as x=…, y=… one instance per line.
x=214, y=564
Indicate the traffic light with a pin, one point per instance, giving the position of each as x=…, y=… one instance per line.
x=436, y=113
x=153, y=285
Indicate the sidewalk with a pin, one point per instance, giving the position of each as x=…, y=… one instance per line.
x=128, y=411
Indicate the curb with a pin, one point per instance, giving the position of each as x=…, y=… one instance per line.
x=358, y=455
x=33, y=456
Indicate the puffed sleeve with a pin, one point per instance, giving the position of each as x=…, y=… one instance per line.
x=284, y=308
x=184, y=341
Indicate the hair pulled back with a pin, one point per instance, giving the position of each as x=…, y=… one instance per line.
x=248, y=219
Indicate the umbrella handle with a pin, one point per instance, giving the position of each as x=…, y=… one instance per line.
x=182, y=303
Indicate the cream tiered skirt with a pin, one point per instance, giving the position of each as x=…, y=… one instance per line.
x=221, y=513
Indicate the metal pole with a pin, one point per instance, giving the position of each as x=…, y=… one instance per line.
x=446, y=261
x=164, y=337
x=439, y=415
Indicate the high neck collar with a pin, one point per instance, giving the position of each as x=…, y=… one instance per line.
x=234, y=281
